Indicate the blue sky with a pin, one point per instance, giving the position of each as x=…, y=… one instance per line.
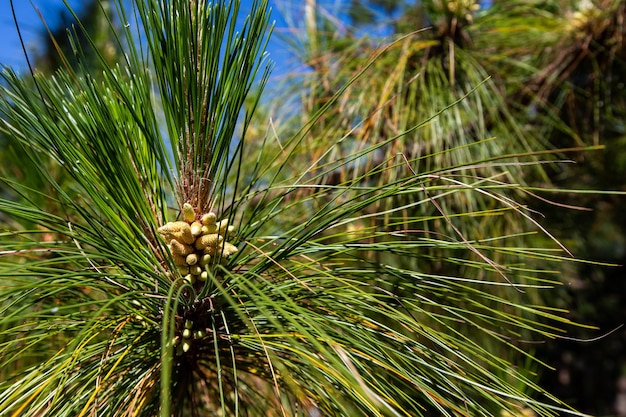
x=33, y=30
x=31, y=26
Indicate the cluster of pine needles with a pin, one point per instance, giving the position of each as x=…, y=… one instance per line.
x=336, y=294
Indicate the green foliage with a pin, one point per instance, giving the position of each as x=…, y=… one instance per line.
x=371, y=277
x=80, y=39
x=542, y=76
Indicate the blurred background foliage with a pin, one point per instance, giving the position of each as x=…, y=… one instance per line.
x=528, y=76
x=542, y=75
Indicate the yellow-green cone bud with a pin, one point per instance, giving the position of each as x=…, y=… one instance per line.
x=180, y=231
x=208, y=241
x=222, y=226
x=228, y=249
x=204, y=260
x=178, y=248
x=186, y=333
x=186, y=345
x=195, y=270
x=189, y=214
x=204, y=275
x=196, y=228
x=191, y=259
x=209, y=219
x=179, y=260
x=188, y=324
x=190, y=278
x=207, y=230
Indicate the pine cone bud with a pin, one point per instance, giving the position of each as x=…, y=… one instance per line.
x=208, y=241
x=189, y=214
x=180, y=231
